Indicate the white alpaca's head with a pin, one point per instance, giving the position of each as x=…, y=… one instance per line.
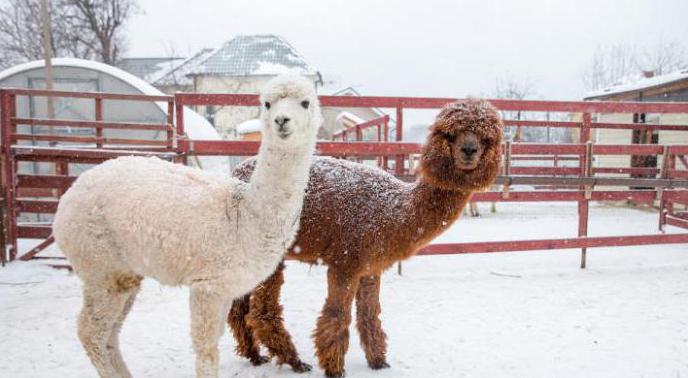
x=290, y=111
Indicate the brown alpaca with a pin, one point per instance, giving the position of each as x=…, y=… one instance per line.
x=359, y=221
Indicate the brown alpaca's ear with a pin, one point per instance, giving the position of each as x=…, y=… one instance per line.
x=437, y=164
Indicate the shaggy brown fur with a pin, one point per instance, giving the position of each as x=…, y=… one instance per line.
x=359, y=221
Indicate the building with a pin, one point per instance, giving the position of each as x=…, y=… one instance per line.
x=89, y=76
x=671, y=87
x=242, y=65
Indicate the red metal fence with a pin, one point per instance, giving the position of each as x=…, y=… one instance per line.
x=578, y=180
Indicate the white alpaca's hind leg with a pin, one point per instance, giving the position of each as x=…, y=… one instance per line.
x=130, y=289
x=209, y=307
x=102, y=308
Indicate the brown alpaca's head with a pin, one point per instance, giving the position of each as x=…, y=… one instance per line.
x=463, y=150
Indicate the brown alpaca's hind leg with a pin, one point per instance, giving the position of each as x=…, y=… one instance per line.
x=373, y=338
x=332, y=332
x=247, y=345
x=265, y=318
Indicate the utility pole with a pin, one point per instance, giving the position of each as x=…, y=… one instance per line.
x=47, y=55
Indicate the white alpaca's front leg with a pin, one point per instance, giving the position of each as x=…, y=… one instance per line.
x=209, y=306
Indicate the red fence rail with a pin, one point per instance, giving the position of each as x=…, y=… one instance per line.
x=36, y=193
x=577, y=180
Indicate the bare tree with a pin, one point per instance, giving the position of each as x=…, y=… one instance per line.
x=664, y=58
x=619, y=63
x=512, y=88
x=98, y=24
x=611, y=65
x=87, y=29
x=20, y=37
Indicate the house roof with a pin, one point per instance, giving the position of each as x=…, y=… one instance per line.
x=247, y=55
x=147, y=68
x=638, y=85
x=178, y=74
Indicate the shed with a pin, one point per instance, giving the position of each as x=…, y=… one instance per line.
x=89, y=76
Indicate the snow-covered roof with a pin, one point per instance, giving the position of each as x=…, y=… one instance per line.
x=351, y=116
x=149, y=68
x=178, y=74
x=196, y=127
x=247, y=55
x=250, y=126
x=644, y=83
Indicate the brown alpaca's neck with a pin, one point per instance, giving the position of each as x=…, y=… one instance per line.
x=429, y=211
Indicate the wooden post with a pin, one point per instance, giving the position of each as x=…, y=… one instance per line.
x=8, y=111
x=385, y=136
x=99, y=117
x=3, y=179
x=47, y=56
x=179, y=113
x=399, y=170
x=507, y=169
x=585, y=165
x=170, y=125
x=663, y=174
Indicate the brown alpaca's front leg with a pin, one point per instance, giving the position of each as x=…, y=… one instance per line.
x=265, y=318
x=332, y=332
x=247, y=345
x=373, y=338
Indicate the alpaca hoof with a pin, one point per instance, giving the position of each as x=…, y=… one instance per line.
x=377, y=365
x=260, y=360
x=340, y=374
x=300, y=367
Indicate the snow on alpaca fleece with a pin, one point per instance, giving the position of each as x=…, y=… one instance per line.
x=169, y=222
x=178, y=224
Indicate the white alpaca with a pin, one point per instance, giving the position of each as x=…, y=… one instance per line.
x=131, y=218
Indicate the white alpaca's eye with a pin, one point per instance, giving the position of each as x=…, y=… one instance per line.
x=305, y=104
x=267, y=105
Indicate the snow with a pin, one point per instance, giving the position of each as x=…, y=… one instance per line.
x=269, y=68
x=533, y=314
x=179, y=74
x=350, y=116
x=250, y=126
x=640, y=84
x=195, y=126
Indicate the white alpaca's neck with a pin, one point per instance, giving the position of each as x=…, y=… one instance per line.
x=276, y=190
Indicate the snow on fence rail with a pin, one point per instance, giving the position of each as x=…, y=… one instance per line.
x=667, y=184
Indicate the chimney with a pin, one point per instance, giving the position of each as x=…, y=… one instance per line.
x=648, y=74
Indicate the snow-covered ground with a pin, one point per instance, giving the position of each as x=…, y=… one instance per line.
x=533, y=314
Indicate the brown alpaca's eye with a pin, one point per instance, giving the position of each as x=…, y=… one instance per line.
x=267, y=105
x=305, y=104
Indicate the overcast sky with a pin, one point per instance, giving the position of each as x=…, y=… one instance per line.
x=421, y=47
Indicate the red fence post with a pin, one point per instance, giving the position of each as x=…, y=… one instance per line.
x=7, y=131
x=4, y=179
x=170, y=124
x=179, y=112
x=385, y=159
x=400, y=124
x=99, y=117
x=585, y=163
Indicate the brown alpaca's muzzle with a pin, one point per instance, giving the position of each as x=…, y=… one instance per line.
x=468, y=150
